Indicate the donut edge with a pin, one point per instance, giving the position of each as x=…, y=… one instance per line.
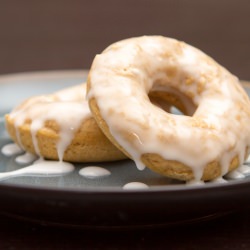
x=168, y=168
x=89, y=144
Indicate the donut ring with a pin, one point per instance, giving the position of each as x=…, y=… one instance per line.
x=60, y=127
x=213, y=136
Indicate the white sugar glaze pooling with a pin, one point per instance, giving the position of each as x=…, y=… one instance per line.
x=11, y=149
x=240, y=173
x=93, y=172
x=68, y=108
x=26, y=158
x=219, y=180
x=41, y=168
x=142, y=64
x=244, y=169
x=135, y=185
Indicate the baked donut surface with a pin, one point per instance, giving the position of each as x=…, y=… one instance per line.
x=60, y=126
x=128, y=87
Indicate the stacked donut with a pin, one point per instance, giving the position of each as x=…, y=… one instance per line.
x=60, y=127
x=130, y=87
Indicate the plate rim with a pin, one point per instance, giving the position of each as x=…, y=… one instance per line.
x=68, y=73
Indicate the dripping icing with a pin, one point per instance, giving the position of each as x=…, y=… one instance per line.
x=68, y=108
x=26, y=158
x=41, y=168
x=11, y=149
x=93, y=172
x=135, y=186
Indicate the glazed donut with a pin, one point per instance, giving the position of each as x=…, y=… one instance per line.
x=60, y=126
x=208, y=141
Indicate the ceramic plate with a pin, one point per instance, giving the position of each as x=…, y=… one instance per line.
x=103, y=202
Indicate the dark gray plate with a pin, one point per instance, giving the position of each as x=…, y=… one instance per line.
x=73, y=200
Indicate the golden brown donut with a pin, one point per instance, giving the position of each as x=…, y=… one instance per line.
x=210, y=140
x=60, y=126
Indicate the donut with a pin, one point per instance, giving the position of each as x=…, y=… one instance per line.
x=129, y=78
x=60, y=126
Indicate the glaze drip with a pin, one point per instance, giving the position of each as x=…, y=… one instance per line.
x=67, y=108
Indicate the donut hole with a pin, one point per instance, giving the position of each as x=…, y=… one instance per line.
x=175, y=110
x=172, y=103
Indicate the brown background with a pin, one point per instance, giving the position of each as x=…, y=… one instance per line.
x=66, y=34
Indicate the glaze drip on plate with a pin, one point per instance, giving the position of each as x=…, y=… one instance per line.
x=43, y=168
x=26, y=158
x=11, y=149
x=135, y=185
x=93, y=172
x=39, y=167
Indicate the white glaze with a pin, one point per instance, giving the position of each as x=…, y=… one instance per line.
x=240, y=173
x=235, y=175
x=248, y=159
x=219, y=180
x=244, y=169
x=68, y=108
x=125, y=72
x=41, y=168
x=135, y=185
x=52, y=168
x=11, y=149
x=26, y=158
x=195, y=183
x=93, y=172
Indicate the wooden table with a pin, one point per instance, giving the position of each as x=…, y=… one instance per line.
x=61, y=34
